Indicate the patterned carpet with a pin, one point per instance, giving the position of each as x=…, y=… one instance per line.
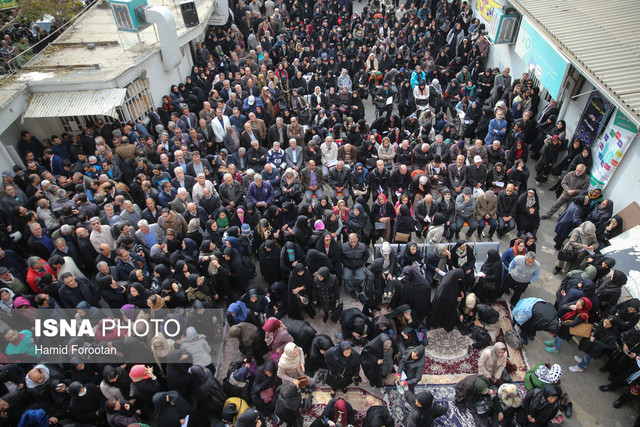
x=443, y=394
x=359, y=398
x=448, y=361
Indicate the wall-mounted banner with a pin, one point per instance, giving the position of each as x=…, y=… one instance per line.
x=593, y=118
x=485, y=9
x=8, y=4
x=610, y=147
x=541, y=57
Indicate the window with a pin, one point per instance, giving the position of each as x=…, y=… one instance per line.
x=138, y=103
x=74, y=124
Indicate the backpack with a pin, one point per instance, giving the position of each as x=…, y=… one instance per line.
x=512, y=339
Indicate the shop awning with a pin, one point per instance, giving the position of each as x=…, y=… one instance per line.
x=600, y=38
x=102, y=102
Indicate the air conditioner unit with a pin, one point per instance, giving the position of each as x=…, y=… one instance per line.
x=129, y=14
x=504, y=27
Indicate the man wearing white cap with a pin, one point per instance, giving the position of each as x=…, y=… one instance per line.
x=477, y=174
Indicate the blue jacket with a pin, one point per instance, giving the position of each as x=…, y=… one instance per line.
x=260, y=194
x=496, y=132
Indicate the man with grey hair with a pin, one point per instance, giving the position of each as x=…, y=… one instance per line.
x=240, y=159
x=110, y=218
x=277, y=132
x=100, y=234
x=312, y=181
x=339, y=177
x=39, y=243
x=260, y=193
x=294, y=156
x=194, y=211
x=198, y=188
x=523, y=270
x=131, y=213
x=276, y=156
x=230, y=192
x=45, y=215
x=329, y=151
x=149, y=234
x=67, y=250
x=179, y=204
x=182, y=180
x=572, y=184
x=37, y=268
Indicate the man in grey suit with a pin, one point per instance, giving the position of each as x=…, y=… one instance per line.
x=294, y=157
x=149, y=235
x=131, y=214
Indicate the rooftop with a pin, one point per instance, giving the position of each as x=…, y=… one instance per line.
x=599, y=37
x=69, y=59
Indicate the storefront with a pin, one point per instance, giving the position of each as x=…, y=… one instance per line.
x=587, y=102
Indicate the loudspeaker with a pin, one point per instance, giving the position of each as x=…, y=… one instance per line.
x=189, y=13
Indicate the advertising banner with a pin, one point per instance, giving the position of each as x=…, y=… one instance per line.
x=8, y=4
x=541, y=57
x=610, y=148
x=485, y=9
x=593, y=117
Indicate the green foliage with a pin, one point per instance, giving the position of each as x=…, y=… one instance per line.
x=61, y=10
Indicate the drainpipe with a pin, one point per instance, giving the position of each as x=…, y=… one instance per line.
x=167, y=34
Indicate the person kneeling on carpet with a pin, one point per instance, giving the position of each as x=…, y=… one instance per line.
x=378, y=416
x=355, y=325
x=474, y=395
x=412, y=366
x=423, y=410
x=337, y=411
x=492, y=363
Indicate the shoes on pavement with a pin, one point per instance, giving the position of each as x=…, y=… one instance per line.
x=576, y=369
x=569, y=410
x=577, y=359
x=550, y=343
x=545, y=216
x=552, y=350
x=556, y=270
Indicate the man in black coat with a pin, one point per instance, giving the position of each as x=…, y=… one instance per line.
x=507, y=205
x=476, y=174
x=379, y=180
x=76, y=290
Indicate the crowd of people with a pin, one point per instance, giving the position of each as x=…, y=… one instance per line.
x=259, y=187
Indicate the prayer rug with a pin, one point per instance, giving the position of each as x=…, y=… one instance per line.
x=443, y=394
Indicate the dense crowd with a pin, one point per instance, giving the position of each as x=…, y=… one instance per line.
x=263, y=158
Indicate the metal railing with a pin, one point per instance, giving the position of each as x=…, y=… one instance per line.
x=14, y=63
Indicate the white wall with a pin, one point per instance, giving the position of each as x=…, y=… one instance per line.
x=624, y=186
x=160, y=81
x=10, y=127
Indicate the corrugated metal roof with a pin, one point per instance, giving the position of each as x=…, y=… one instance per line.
x=600, y=36
x=80, y=103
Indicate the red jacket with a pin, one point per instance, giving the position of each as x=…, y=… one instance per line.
x=34, y=275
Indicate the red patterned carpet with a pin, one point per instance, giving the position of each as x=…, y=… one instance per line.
x=448, y=361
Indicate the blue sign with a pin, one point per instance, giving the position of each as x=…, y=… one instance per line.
x=541, y=57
